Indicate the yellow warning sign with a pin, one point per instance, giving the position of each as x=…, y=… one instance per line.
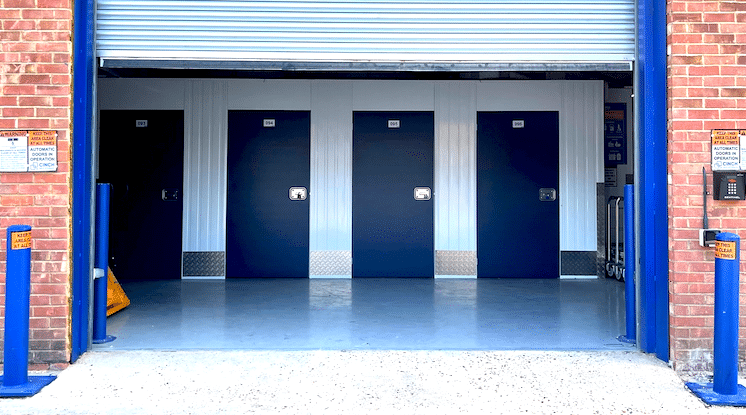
x=116, y=299
x=725, y=137
x=42, y=138
x=20, y=240
x=725, y=250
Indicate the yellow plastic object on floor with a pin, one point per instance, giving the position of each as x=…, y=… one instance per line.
x=116, y=299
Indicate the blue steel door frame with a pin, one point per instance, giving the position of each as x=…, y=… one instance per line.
x=652, y=135
x=652, y=183
x=82, y=175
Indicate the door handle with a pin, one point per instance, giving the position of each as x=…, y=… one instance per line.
x=298, y=193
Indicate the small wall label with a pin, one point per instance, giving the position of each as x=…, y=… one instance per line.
x=20, y=240
x=725, y=250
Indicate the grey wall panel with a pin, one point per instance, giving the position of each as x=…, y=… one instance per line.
x=455, y=174
x=581, y=163
x=205, y=175
x=140, y=94
x=393, y=96
x=269, y=95
x=331, y=177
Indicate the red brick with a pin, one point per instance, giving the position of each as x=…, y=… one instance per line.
x=719, y=38
x=719, y=60
x=686, y=103
x=720, y=103
x=18, y=4
x=732, y=28
x=734, y=114
x=687, y=59
x=34, y=79
x=680, y=37
x=35, y=14
x=703, y=114
x=52, y=112
x=16, y=200
x=733, y=92
x=32, y=123
x=685, y=17
x=53, y=90
x=732, y=49
x=53, y=46
x=719, y=17
x=703, y=70
x=35, y=101
x=19, y=90
x=732, y=6
x=15, y=112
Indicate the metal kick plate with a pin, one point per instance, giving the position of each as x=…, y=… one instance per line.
x=547, y=194
x=298, y=193
x=422, y=193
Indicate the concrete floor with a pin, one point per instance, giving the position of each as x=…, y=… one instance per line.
x=407, y=382
x=370, y=314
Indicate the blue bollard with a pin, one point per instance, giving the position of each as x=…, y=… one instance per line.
x=725, y=389
x=725, y=360
x=629, y=266
x=15, y=380
x=101, y=263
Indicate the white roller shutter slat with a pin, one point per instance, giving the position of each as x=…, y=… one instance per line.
x=370, y=31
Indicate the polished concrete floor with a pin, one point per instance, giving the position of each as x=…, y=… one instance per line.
x=373, y=314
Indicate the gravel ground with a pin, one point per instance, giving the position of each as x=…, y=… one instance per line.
x=362, y=382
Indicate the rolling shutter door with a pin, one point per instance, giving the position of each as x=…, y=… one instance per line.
x=368, y=31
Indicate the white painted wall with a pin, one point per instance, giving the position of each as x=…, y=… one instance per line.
x=455, y=103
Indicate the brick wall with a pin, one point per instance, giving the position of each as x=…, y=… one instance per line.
x=706, y=90
x=36, y=59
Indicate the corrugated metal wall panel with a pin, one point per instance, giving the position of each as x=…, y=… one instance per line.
x=331, y=177
x=581, y=163
x=367, y=30
x=205, y=175
x=455, y=166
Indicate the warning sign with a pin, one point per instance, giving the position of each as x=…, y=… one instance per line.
x=726, y=150
x=725, y=250
x=13, y=151
x=22, y=151
x=20, y=240
x=42, y=151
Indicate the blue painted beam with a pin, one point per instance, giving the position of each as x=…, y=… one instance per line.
x=82, y=180
x=653, y=270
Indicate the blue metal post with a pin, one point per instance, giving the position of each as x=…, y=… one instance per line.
x=727, y=258
x=629, y=265
x=101, y=264
x=653, y=204
x=725, y=389
x=15, y=379
x=82, y=173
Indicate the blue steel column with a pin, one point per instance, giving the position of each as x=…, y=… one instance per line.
x=103, y=197
x=725, y=374
x=652, y=136
x=82, y=169
x=629, y=266
x=15, y=380
x=725, y=389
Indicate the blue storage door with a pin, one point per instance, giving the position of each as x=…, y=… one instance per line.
x=517, y=156
x=141, y=154
x=267, y=231
x=392, y=233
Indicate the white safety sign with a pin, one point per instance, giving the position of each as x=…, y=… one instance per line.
x=23, y=151
x=726, y=150
x=13, y=151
